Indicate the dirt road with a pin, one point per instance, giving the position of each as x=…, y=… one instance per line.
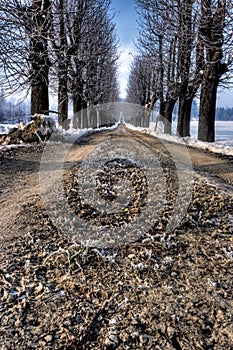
x=19, y=167
x=164, y=290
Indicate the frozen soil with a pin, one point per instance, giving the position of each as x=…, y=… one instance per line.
x=161, y=290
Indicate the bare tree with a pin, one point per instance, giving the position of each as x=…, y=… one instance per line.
x=14, y=48
x=212, y=25
x=2, y=105
x=70, y=43
x=37, y=23
x=59, y=54
x=62, y=64
x=188, y=39
x=141, y=81
x=191, y=62
x=101, y=61
x=24, y=49
x=93, y=62
x=158, y=37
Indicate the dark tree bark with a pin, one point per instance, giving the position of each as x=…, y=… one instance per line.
x=80, y=113
x=186, y=100
x=183, y=126
x=212, y=25
x=206, y=125
x=168, y=110
x=173, y=88
x=184, y=61
x=39, y=57
x=161, y=79
x=77, y=107
x=62, y=101
x=62, y=71
x=39, y=96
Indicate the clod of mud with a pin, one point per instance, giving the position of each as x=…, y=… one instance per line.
x=39, y=129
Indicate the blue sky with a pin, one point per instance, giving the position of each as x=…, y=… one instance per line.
x=125, y=20
x=126, y=25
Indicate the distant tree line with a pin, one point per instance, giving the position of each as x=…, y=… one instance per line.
x=13, y=111
x=65, y=46
x=185, y=49
x=224, y=114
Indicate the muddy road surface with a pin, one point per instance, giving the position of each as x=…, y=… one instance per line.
x=152, y=265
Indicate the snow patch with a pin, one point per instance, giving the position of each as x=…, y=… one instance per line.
x=74, y=135
x=221, y=147
x=5, y=128
x=71, y=135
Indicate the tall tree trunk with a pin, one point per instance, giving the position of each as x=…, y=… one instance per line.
x=183, y=126
x=169, y=106
x=212, y=25
x=185, y=50
x=162, y=108
x=213, y=71
x=80, y=113
x=39, y=77
x=206, y=125
x=185, y=103
x=84, y=115
x=39, y=57
x=63, y=102
x=77, y=107
x=62, y=71
x=39, y=94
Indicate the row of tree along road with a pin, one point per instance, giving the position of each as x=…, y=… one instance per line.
x=186, y=48
x=64, y=46
x=69, y=47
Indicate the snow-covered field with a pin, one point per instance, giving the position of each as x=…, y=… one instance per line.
x=224, y=137
x=223, y=130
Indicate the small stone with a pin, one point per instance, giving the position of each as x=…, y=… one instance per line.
x=48, y=338
x=39, y=288
x=131, y=256
x=170, y=331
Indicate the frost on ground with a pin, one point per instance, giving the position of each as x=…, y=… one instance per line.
x=168, y=290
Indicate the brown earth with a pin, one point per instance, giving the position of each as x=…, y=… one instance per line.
x=163, y=290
